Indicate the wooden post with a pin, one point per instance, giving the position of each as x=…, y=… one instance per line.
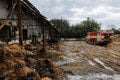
x=20, y=23
x=43, y=37
x=42, y=51
x=61, y=28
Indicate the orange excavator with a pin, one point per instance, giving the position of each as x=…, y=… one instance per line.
x=9, y=14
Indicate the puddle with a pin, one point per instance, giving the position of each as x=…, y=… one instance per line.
x=98, y=61
x=93, y=77
x=86, y=55
x=91, y=63
x=69, y=60
x=69, y=54
x=69, y=49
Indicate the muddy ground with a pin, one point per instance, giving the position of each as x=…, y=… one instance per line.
x=82, y=61
x=76, y=60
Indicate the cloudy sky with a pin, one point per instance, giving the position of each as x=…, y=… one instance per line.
x=106, y=12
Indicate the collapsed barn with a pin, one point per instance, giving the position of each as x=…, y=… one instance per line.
x=35, y=27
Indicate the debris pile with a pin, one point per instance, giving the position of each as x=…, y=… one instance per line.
x=54, y=55
x=46, y=68
x=116, y=38
x=84, y=59
x=15, y=64
x=63, y=57
x=33, y=47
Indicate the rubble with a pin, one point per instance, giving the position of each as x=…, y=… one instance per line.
x=63, y=57
x=46, y=68
x=34, y=48
x=54, y=55
x=15, y=64
x=73, y=58
x=84, y=59
x=116, y=38
x=46, y=78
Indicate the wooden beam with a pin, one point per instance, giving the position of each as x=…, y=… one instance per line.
x=9, y=14
x=43, y=37
x=13, y=19
x=20, y=23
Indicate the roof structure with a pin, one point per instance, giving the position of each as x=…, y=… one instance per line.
x=29, y=8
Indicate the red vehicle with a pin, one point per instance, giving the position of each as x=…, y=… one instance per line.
x=98, y=37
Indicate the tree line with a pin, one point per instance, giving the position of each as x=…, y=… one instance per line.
x=79, y=30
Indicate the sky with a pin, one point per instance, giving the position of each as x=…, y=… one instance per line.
x=106, y=12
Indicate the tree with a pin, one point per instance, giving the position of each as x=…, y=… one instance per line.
x=116, y=31
x=61, y=24
x=89, y=25
x=78, y=30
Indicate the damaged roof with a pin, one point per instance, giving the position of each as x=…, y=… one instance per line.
x=27, y=7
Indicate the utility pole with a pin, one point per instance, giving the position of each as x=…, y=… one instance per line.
x=20, y=23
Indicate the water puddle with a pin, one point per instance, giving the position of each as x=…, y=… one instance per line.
x=93, y=77
x=91, y=63
x=69, y=60
x=98, y=61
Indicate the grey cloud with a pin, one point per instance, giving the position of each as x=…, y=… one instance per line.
x=104, y=11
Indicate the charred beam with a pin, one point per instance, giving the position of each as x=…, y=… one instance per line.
x=20, y=23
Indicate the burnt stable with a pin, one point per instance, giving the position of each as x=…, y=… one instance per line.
x=20, y=19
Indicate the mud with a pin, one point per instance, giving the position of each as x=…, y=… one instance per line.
x=82, y=59
x=76, y=60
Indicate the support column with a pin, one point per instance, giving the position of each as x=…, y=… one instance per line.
x=43, y=37
x=20, y=23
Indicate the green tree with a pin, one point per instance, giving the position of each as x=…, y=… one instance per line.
x=89, y=25
x=78, y=30
x=61, y=24
x=116, y=31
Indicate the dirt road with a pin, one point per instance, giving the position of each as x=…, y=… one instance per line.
x=82, y=61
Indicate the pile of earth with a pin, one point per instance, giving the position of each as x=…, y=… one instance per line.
x=17, y=63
